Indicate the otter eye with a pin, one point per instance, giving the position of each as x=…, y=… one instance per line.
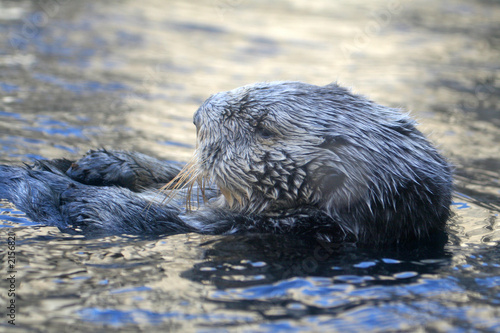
x=264, y=132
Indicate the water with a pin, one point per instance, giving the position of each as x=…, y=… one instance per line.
x=76, y=75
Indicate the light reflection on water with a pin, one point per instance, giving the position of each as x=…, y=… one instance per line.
x=130, y=75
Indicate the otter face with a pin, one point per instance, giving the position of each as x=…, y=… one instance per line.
x=281, y=145
x=258, y=143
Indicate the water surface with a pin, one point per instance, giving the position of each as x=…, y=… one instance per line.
x=76, y=75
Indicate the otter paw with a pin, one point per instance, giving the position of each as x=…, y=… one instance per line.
x=115, y=210
x=102, y=168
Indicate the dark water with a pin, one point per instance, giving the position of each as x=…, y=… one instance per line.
x=76, y=75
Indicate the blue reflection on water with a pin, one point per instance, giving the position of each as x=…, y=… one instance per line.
x=365, y=264
x=81, y=87
x=68, y=149
x=177, y=144
x=19, y=221
x=122, y=318
x=128, y=290
x=14, y=218
x=33, y=141
x=10, y=115
x=29, y=157
x=489, y=282
x=460, y=205
x=333, y=295
x=12, y=146
x=69, y=131
x=8, y=88
x=48, y=125
x=273, y=291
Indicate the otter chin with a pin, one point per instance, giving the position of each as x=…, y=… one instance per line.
x=281, y=157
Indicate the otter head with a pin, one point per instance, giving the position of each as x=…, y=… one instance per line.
x=281, y=145
x=265, y=145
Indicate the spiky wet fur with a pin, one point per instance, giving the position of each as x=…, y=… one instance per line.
x=280, y=157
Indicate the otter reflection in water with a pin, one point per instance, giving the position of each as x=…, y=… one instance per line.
x=280, y=157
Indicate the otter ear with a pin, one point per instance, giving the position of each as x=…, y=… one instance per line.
x=331, y=174
x=332, y=180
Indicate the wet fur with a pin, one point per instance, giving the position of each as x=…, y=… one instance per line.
x=280, y=157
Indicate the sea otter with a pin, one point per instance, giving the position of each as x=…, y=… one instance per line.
x=278, y=157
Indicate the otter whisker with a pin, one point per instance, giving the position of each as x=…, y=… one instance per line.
x=189, y=176
x=172, y=185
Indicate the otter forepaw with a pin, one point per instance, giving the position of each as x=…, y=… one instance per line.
x=100, y=167
x=131, y=170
